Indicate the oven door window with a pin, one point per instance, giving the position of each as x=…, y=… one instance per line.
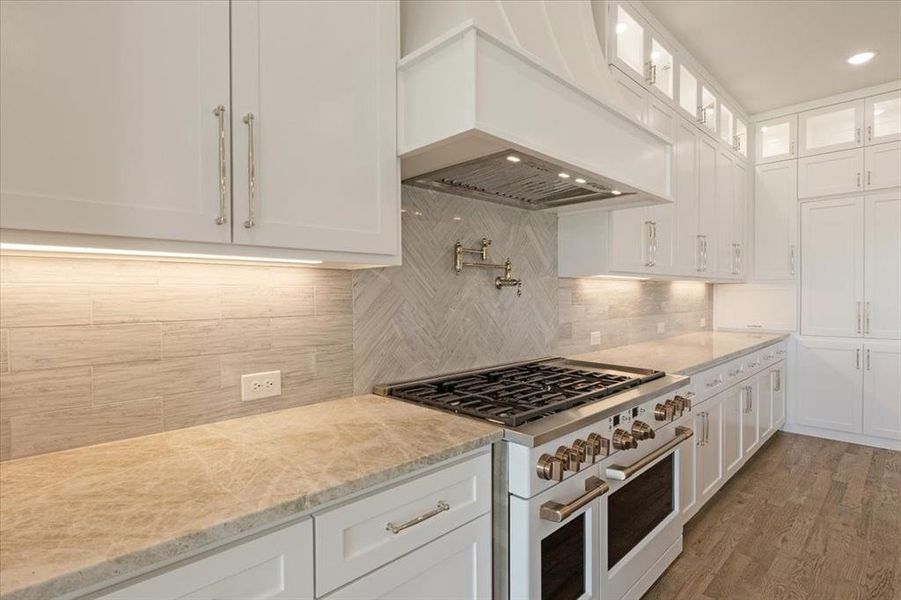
x=563, y=562
x=634, y=510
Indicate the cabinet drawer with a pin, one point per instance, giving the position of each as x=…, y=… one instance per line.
x=355, y=539
x=275, y=565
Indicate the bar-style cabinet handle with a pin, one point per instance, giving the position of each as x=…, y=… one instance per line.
x=866, y=319
x=222, y=219
x=791, y=259
x=859, y=317
x=868, y=359
x=251, y=173
x=857, y=360
x=397, y=528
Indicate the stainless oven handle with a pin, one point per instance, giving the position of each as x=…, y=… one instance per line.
x=621, y=473
x=595, y=487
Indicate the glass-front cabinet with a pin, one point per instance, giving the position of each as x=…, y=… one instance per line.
x=883, y=118
x=688, y=92
x=777, y=139
x=832, y=128
x=740, y=139
x=661, y=69
x=727, y=125
x=628, y=42
x=638, y=51
x=707, y=109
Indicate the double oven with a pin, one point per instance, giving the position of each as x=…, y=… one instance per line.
x=611, y=527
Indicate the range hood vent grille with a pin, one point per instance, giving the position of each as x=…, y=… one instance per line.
x=513, y=178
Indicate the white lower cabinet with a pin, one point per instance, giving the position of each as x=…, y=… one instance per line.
x=777, y=375
x=881, y=385
x=733, y=409
x=275, y=565
x=749, y=417
x=456, y=566
x=829, y=392
x=709, y=469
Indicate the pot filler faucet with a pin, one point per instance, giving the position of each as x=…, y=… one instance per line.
x=507, y=280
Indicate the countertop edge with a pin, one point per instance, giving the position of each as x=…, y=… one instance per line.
x=184, y=547
x=695, y=369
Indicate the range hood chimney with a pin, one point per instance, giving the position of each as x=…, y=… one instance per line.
x=512, y=101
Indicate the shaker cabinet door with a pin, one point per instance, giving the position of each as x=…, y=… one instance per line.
x=776, y=210
x=881, y=382
x=882, y=309
x=314, y=118
x=883, y=166
x=109, y=118
x=829, y=393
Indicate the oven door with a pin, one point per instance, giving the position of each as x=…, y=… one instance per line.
x=642, y=529
x=555, y=539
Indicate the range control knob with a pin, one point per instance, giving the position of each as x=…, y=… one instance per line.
x=570, y=458
x=663, y=412
x=623, y=440
x=550, y=467
x=642, y=431
x=588, y=452
x=674, y=414
x=601, y=445
x=682, y=403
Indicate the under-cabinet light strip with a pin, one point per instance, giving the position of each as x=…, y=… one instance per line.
x=152, y=254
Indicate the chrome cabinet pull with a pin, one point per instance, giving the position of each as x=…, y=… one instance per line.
x=869, y=177
x=859, y=316
x=857, y=135
x=397, y=528
x=621, y=473
x=706, y=427
x=869, y=133
x=858, y=179
x=868, y=359
x=251, y=173
x=647, y=230
x=595, y=487
x=857, y=360
x=222, y=219
x=654, y=243
x=699, y=268
x=791, y=259
x=791, y=148
x=866, y=319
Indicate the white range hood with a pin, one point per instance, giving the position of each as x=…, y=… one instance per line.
x=512, y=101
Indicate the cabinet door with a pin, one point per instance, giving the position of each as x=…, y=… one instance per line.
x=883, y=164
x=776, y=139
x=707, y=208
x=635, y=98
x=318, y=79
x=883, y=118
x=836, y=127
x=778, y=387
x=776, y=227
x=708, y=109
x=740, y=142
x=832, y=266
x=881, y=382
x=829, y=384
x=709, y=422
x=829, y=174
x=108, y=118
x=727, y=125
x=739, y=215
x=688, y=459
x=763, y=403
x=628, y=42
x=688, y=93
x=882, y=278
x=662, y=72
x=630, y=240
x=724, y=209
x=457, y=565
x=733, y=411
x=750, y=432
x=276, y=565
x=660, y=117
x=685, y=226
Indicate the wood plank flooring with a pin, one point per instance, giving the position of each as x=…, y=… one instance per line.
x=804, y=518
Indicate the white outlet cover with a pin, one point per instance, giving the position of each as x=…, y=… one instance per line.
x=261, y=385
x=594, y=338
x=661, y=327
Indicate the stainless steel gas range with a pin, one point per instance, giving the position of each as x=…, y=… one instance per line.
x=587, y=478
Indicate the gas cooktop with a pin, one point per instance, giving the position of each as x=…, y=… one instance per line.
x=518, y=393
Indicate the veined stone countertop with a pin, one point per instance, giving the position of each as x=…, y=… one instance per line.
x=685, y=354
x=76, y=518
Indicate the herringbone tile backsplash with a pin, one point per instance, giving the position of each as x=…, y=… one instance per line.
x=94, y=350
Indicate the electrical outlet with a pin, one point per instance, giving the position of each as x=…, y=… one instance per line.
x=661, y=327
x=703, y=322
x=594, y=338
x=261, y=385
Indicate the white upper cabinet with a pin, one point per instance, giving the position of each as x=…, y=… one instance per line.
x=708, y=215
x=832, y=273
x=635, y=100
x=661, y=75
x=723, y=232
x=882, y=310
x=776, y=209
x=314, y=116
x=109, y=118
x=881, y=382
x=686, y=245
x=829, y=174
x=708, y=109
x=883, y=118
x=740, y=140
x=688, y=93
x=777, y=139
x=628, y=42
x=836, y=127
x=883, y=166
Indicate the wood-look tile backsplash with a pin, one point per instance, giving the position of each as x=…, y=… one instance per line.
x=93, y=350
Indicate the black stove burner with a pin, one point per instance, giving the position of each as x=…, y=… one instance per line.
x=517, y=394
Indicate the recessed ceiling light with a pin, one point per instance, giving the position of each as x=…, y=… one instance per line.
x=621, y=28
x=563, y=175
x=513, y=158
x=579, y=180
x=615, y=192
x=863, y=57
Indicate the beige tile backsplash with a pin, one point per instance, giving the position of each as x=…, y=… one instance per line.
x=93, y=350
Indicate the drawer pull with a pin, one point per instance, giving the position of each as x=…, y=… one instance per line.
x=595, y=487
x=622, y=473
x=440, y=508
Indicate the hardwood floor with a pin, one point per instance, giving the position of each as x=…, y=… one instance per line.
x=804, y=518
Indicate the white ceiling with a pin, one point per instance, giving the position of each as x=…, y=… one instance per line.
x=768, y=53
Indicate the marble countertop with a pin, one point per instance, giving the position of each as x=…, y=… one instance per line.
x=73, y=519
x=684, y=354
